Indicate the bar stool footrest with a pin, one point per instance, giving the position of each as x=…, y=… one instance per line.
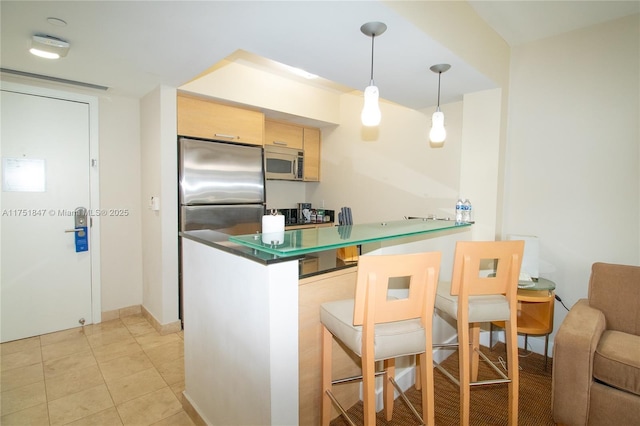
x=359, y=378
x=340, y=408
x=406, y=401
x=504, y=378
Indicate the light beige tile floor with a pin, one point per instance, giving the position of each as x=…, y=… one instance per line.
x=120, y=372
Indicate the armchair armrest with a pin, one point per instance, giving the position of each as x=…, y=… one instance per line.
x=574, y=346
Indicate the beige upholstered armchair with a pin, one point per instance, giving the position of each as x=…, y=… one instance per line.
x=596, y=356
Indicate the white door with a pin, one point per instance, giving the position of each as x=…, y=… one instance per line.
x=45, y=283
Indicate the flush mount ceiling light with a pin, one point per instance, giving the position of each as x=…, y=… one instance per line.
x=371, y=110
x=438, y=133
x=49, y=47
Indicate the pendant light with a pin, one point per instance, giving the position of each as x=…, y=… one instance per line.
x=371, y=110
x=438, y=133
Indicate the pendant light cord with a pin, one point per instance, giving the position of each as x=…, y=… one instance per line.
x=439, y=74
x=373, y=36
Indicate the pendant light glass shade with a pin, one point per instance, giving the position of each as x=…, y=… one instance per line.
x=371, y=110
x=371, y=115
x=438, y=133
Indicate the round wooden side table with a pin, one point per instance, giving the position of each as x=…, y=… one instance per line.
x=535, y=311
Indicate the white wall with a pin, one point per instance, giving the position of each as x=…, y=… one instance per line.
x=389, y=172
x=573, y=152
x=159, y=228
x=480, y=159
x=121, y=250
x=456, y=25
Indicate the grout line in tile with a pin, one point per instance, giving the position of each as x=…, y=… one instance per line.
x=143, y=349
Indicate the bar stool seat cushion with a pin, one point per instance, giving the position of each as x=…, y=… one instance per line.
x=481, y=308
x=391, y=340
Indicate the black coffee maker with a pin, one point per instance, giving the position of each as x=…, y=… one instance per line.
x=290, y=216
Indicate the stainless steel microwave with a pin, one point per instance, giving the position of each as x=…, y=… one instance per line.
x=283, y=163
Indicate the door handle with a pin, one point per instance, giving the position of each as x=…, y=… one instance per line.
x=80, y=231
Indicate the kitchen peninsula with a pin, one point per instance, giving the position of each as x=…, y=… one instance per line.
x=250, y=322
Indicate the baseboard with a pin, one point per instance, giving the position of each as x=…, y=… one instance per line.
x=534, y=343
x=163, y=329
x=440, y=354
x=405, y=378
x=120, y=313
x=192, y=411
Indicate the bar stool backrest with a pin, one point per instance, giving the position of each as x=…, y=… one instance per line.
x=470, y=256
x=374, y=272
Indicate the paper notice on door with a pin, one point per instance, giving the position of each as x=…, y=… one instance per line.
x=23, y=174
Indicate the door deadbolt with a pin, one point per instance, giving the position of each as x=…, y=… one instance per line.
x=80, y=215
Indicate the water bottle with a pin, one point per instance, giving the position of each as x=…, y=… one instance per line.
x=466, y=210
x=459, y=206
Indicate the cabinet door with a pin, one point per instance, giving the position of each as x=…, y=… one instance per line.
x=311, y=154
x=312, y=292
x=209, y=120
x=283, y=134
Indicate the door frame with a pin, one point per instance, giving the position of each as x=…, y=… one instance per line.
x=94, y=178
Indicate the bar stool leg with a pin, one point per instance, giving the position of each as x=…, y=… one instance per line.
x=418, y=384
x=546, y=350
x=387, y=387
x=475, y=348
x=464, y=361
x=511, y=337
x=491, y=336
x=368, y=389
x=327, y=347
x=428, y=399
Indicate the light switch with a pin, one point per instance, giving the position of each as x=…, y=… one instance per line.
x=155, y=203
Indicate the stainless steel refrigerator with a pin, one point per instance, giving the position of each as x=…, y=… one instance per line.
x=221, y=186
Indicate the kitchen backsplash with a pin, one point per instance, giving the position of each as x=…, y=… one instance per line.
x=284, y=194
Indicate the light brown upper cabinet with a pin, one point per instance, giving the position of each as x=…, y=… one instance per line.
x=311, y=154
x=283, y=134
x=205, y=119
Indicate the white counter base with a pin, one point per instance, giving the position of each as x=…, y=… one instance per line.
x=240, y=332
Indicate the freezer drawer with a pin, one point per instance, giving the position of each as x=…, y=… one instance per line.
x=229, y=219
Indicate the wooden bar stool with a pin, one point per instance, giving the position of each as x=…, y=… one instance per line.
x=472, y=299
x=376, y=327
